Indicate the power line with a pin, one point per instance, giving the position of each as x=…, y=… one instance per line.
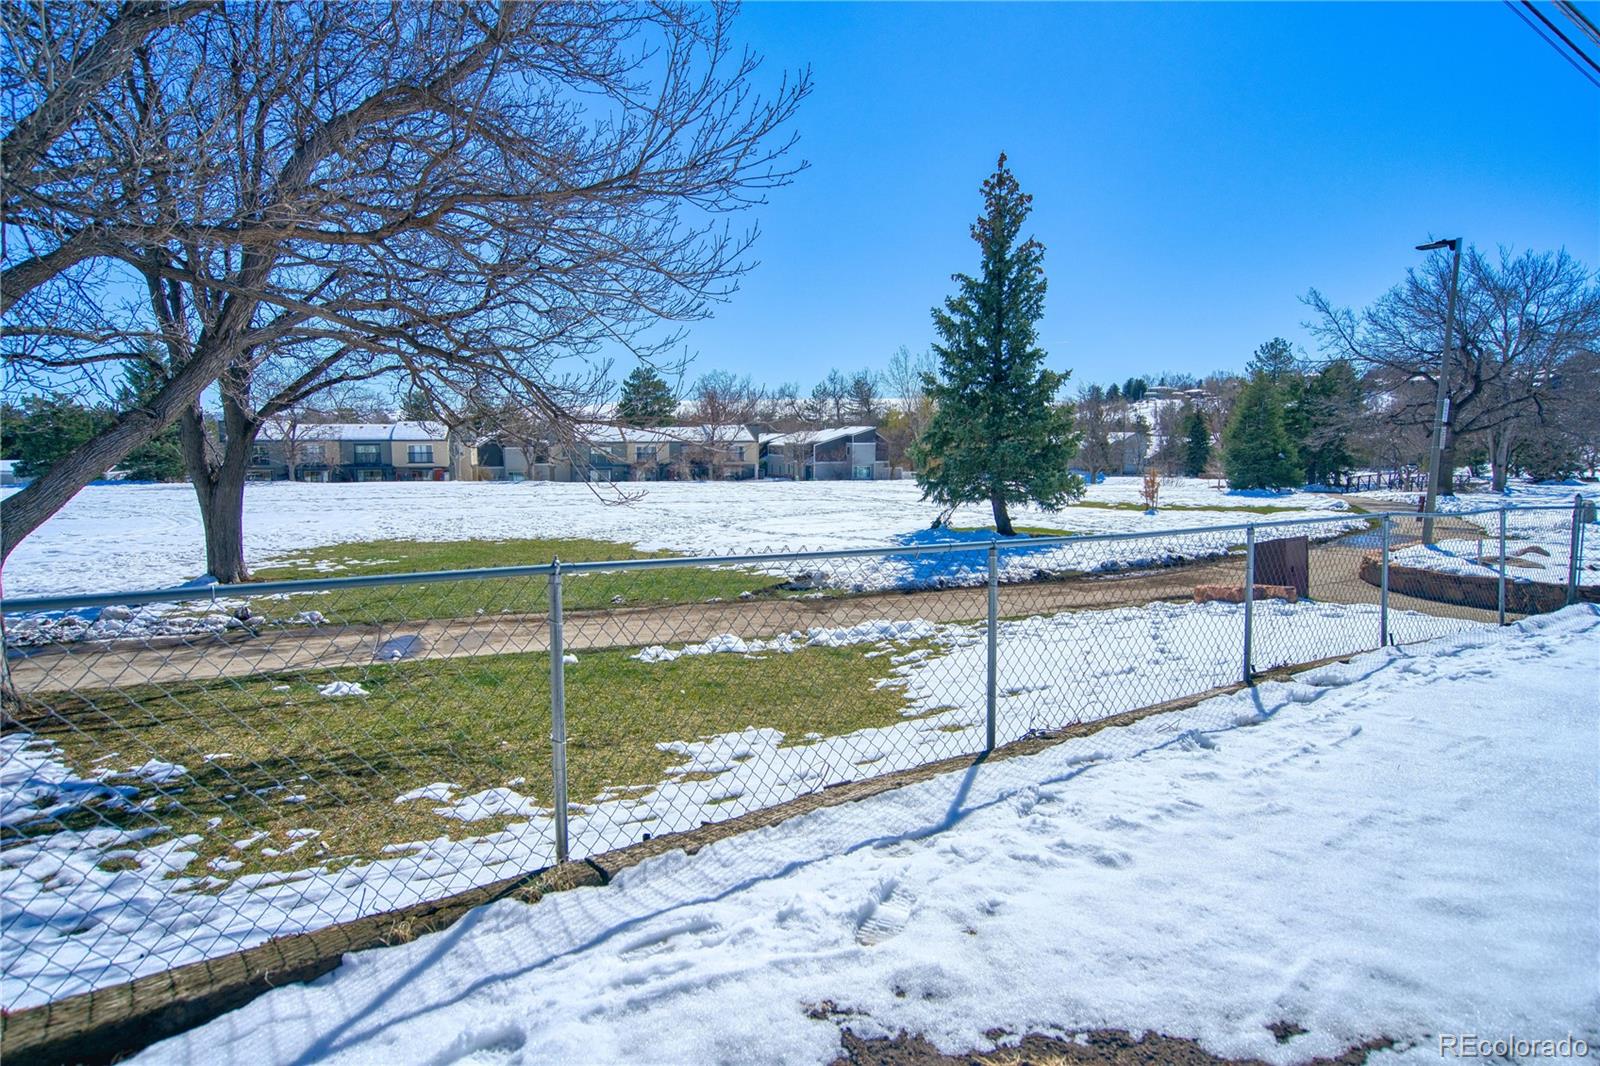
x=1589, y=29
x=1581, y=54
x=1536, y=28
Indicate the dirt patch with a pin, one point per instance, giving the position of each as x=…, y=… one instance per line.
x=1098, y=1047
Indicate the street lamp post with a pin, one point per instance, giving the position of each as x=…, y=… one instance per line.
x=1437, y=475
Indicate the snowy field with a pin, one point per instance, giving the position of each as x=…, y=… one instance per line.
x=115, y=537
x=95, y=926
x=1400, y=847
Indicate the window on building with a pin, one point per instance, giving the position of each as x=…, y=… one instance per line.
x=260, y=456
x=369, y=454
x=646, y=452
x=738, y=453
x=419, y=453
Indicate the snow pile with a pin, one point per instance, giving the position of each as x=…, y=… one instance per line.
x=149, y=621
x=789, y=643
x=1022, y=559
x=1401, y=847
x=1053, y=670
x=339, y=689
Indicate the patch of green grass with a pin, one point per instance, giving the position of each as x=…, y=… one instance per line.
x=270, y=755
x=525, y=595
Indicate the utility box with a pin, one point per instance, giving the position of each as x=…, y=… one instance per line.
x=1285, y=562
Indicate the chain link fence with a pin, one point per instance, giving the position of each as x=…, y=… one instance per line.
x=186, y=773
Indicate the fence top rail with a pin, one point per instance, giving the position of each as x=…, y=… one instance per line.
x=217, y=590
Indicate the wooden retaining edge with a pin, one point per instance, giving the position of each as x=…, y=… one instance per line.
x=1471, y=590
x=111, y=1023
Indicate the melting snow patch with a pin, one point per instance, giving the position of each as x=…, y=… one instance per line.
x=489, y=803
x=336, y=689
x=439, y=791
x=817, y=637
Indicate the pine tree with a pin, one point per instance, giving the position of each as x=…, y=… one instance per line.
x=1274, y=359
x=51, y=426
x=1332, y=406
x=1256, y=450
x=647, y=399
x=1197, y=451
x=417, y=407
x=997, y=433
x=161, y=457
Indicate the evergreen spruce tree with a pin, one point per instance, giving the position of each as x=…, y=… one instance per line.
x=997, y=433
x=417, y=407
x=1332, y=405
x=161, y=457
x=1197, y=448
x=647, y=399
x=1256, y=450
x=1275, y=359
x=50, y=428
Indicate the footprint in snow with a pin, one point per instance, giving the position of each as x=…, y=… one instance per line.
x=885, y=913
x=483, y=1046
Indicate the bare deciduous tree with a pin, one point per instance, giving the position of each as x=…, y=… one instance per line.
x=724, y=404
x=1520, y=318
x=830, y=399
x=292, y=197
x=910, y=407
x=866, y=402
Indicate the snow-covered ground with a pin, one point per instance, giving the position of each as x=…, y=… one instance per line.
x=1538, y=534
x=114, y=537
x=93, y=926
x=1401, y=847
x=1517, y=494
x=1545, y=560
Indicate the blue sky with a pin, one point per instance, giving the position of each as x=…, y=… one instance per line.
x=1195, y=167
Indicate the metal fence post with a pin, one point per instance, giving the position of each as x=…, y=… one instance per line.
x=1575, y=548
x=1501, y=592
x=1383, y=594
x=994, y=643
x=1249, y=594
x=558, y=712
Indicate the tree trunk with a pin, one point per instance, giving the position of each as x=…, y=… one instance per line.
x=1445, y=478
x=1500, y=458
x=1002, y=520
x=222, y=511
x=22, y=513
x=217, y=469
